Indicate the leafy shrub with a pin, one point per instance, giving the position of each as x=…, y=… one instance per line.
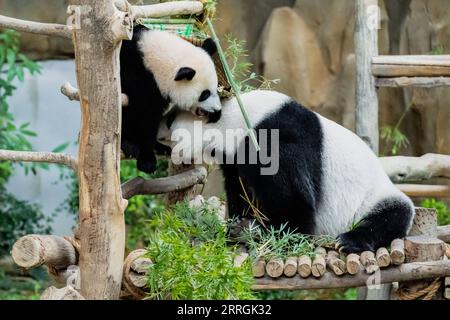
x=442, y=211
x=192, y=259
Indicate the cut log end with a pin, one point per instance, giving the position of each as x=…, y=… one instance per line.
x=275, y=268
x=353, y=263
x=290, y=267
x=304, y=266
x=369, y=262
x=383, y=258
x=398, y=251
x=259, y=268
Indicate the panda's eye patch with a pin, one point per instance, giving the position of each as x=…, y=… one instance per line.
x=204, y=96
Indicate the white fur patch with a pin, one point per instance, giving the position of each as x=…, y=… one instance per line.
x=259, y=105
x=164, y=54
x=353, y=180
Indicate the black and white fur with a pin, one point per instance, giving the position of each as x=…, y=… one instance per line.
x=328, y=178
x=158, y=69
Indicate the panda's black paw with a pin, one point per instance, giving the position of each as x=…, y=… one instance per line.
x=146, y=165
x=130, y=150
x=353, y=242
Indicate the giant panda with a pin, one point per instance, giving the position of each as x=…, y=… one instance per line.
x=157, y=69
x=328, y=180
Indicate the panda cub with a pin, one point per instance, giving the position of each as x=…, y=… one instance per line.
x=327, y=181
x=157, y=69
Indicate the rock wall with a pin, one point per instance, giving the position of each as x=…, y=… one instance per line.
x=308, y=45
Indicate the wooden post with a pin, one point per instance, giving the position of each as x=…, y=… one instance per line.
x=102, y=228
x=366, y=47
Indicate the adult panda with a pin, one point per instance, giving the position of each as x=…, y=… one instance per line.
x=157, y=69
x=328, y=180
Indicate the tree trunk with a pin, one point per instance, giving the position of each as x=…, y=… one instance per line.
x=101, y=206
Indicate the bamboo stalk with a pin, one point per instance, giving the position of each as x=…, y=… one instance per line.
x=234, y=87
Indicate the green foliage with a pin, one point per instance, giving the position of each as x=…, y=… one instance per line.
x=443, y=212
x=18, y=218
x=280, y=242
x=13, y=65
x=140, y=208
x=394, y=138
x=246, y=80
x=192, y=259
x=438, y=50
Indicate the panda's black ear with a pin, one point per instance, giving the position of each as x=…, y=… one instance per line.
x=185, y=73
x=209, y=46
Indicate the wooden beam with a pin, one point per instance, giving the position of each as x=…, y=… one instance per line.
x=405, y=272
x=36, y=250
x=42, y=157
x=366, y=47
x=46, y=29
x=72, y=93
x=166, y=9
x=396, y=70
x=413, y=82
x=140, y=186
x=443, y=233
x=414, y=60
x=425, y=191
x=407, y=169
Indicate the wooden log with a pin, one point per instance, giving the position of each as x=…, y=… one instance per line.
x=424, y=223
x=138, y=280
x=166, y=9
x=179, y=182
x=259, y=268
x=414, y=60
x=407, y=169
x=397, y=251
x=383, y=258
x=353, y=263
x=66, y=293
x=318, y=267
x=390, y=70
x=36, y=250
x=443, y=233
x=47, y=29
x=141, y=265
x=240, y=259
x=369, y=262
x=413, y=82
x=366, y=47
x=290, y=267
x=447, y=250
x=72, y=93
x=130, y=276
x=275, y=268
x=304, y=266
x=187, y=193
x=42, y=157
x=335, y=263
x=423, y=248
x=69, y=276
x=424, y=191
x=405, y=272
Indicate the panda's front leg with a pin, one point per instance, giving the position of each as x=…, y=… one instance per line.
x=146, y=161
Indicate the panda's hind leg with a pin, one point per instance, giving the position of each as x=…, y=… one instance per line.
x=389, y=219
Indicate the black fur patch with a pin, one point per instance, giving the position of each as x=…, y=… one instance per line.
x=210, y=46
x=185, y=73
x=140, y=119
x=387, y=221
x=290, y=196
